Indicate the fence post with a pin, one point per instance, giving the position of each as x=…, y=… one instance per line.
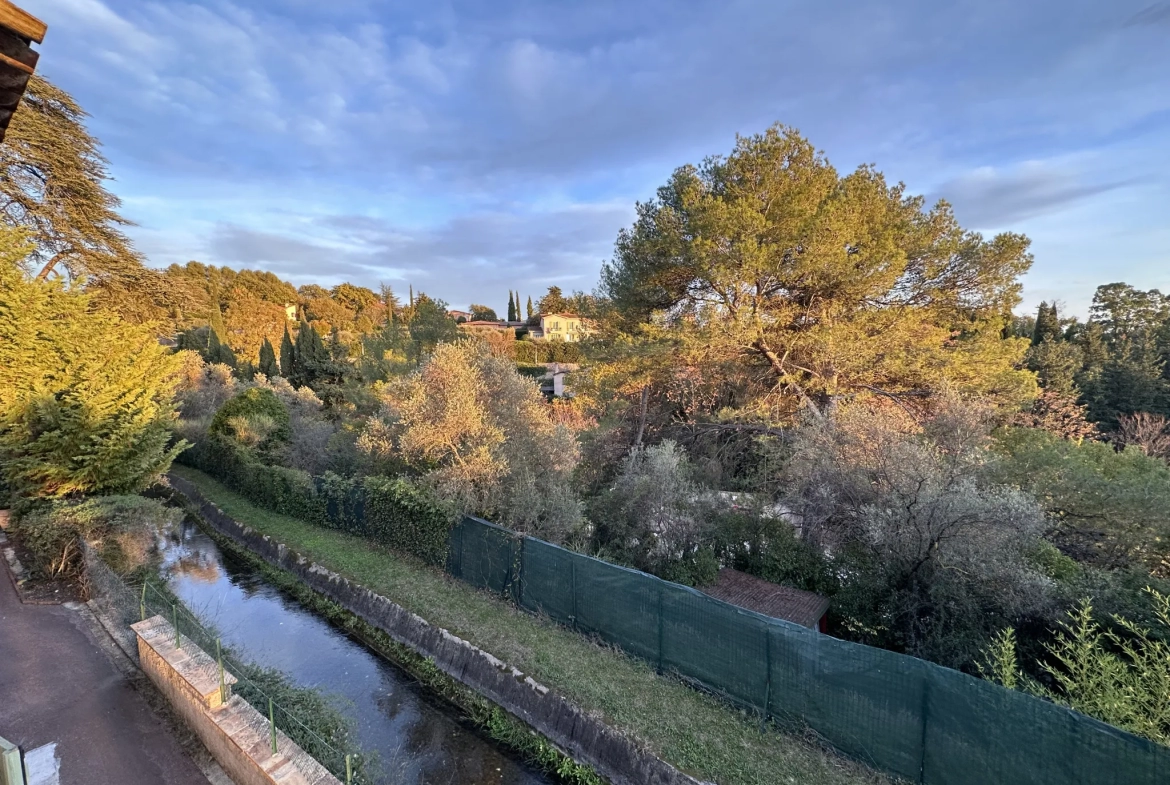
x=573, y=579
x=925, y=710
x=219, y=659
x=768, y=687
x=272, y=725
x=660, y=585
x=142, y=603
x=348, y=770
x=175, y=618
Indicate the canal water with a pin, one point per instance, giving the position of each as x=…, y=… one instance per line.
x=416, y=741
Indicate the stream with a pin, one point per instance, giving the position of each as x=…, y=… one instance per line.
x=417, y=741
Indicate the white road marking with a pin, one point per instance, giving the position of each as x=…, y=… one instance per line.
x=42, y=766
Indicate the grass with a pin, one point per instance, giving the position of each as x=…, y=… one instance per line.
x=699, y=734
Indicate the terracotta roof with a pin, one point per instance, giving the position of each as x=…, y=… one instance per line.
x=770, y=599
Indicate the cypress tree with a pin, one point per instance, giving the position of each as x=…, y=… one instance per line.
x=287, y=355
x=529, y=306
x=214, y=348
x=268, y=365
x=511, y=307
x=1047, y=324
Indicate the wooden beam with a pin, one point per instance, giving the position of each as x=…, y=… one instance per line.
x=22, y=22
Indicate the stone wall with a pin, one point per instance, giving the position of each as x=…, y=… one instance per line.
x=237, y=735
x=586, y=739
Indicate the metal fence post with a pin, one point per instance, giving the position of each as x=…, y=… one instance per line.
x=660, y=655
x=175, y=618
x=219, y=659
x=348, y=770
x=272, y=725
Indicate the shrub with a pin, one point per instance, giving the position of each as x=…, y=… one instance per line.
x=255, y=419
x=933, y=556
x=122, y=528
x=407, y=517
x=1108, y=507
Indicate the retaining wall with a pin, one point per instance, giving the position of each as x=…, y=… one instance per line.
x=586, y=739
x=237, y=735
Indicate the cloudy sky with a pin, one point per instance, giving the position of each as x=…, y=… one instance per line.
x=472, y=147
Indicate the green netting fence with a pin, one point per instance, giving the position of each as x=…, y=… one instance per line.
x=920, y=721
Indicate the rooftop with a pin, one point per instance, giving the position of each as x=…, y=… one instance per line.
x=770, y=599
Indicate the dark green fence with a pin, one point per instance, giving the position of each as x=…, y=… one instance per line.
x=920, y=721
x=915, y=719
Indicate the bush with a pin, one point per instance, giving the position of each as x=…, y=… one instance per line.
x=122, y=529
x=407, y=517
x=255, y=419
x=1108, y=506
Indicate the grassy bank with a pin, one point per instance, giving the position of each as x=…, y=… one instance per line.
x=697, y=733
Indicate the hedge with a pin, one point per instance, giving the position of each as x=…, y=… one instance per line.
x=393, y=511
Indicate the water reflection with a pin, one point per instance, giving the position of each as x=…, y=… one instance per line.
x=417, y=743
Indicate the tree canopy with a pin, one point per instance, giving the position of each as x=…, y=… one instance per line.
x=814, y=285
x=86, y=399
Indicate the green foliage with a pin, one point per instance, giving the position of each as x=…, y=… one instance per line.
x=255, y=419
x=1108, y=508
x=482, y=313
x=512, y=306
x=765, y=544
x=86, y=400
x=122, y=528
x=1047, y=326
x=529, y=312
x=287, y=355
x=268, y=365
x=407, y=517
x=1120, y=676
x=553, y=302
x=796, y=285
x=430, y=325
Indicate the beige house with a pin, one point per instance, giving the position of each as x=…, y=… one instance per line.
x=290, y=312
x=563, y=327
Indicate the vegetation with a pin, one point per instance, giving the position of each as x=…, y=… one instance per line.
x=694, y=731
x=123, y=529
x=85, y=397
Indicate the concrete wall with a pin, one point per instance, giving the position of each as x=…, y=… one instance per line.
x=587, y=739
x=237, y=735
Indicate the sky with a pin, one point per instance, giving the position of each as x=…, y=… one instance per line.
x=470, y=148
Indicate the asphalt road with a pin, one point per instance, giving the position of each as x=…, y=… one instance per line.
x=58, y=687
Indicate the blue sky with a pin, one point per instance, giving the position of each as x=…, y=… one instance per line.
x=469, y=148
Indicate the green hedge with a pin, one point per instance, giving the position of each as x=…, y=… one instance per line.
x=395, y=512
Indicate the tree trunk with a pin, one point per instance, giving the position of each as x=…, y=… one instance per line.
x=642, y=407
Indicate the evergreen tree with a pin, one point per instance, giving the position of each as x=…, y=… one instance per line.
x=287, y=355
x=511, y=307
x=311, y=361
x=86, y=399
x=530, y=314
x=1047, y=324
x=268, y=365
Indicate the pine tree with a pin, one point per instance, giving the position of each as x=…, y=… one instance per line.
x=1047, y=324
x=268, y=365
x=287, y=355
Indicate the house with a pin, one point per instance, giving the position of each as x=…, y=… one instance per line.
x=562, y=327
x=457, y=315
x=805, y=608
x=290, y=311
x=18, y=60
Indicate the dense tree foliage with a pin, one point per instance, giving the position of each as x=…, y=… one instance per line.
x=85, y=398
x=801, y=285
